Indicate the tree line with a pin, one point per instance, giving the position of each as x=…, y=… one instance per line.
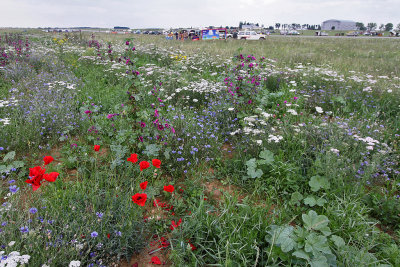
x=371, y=26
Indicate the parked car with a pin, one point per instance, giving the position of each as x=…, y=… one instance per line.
x=321, y=33
x=352, y=34
x=251, y=35
x=293, y=32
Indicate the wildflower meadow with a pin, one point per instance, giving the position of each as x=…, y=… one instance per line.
x=128, y=150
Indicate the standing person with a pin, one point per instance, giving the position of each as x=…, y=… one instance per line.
x=176, y=35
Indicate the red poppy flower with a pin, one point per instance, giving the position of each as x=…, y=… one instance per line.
x=139, y=199
x=144, y=165
x=96, y=148
x=192, y=246
x=51, y=177
x=156, y=163
x=143, y=185
x=48, y=159
x=169, y=188
x=133, y=158
x=108, y=236
x=155, y=260
x=36, y=175
x=174, y=226
x=36, y=171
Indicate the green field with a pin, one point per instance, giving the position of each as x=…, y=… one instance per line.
x=283, y=152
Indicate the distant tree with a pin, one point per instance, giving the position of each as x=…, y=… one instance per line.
x=240, y=25
x=257, y=25
x=388, y=27
x=227, y=27
x=333, y=28
x=360, y=26
x=398, y=27
x=277, y=25
x=248, y=23
x=271, y=28
x=371, y=26
x=318, y=27
x=382, y=27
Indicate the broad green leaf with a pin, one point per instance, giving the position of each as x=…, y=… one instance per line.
x=338, y=241
x=3, y=168
x=313, y=221
x=166, y=153
x=9, y=156
x=319, y=261
x=321, y=201
x=310, y=201
x=17, y=164
x=255, y=173
x=339, y=99
x=251, y=163
x=317, y=182
x=301, y=254
x=282, y=236
x=317, y=243
x=251, y=169
x=268, y=156
x=296, y=198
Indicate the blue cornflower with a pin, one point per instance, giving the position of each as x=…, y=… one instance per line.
x=24, y=229
x=118, y=233
x=14, y=188
x=94, y=234
x=33, y=210
x=99, y=214
x=12, y=181
x=3, y=223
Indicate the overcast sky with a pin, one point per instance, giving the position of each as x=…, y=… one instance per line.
x=187, y=13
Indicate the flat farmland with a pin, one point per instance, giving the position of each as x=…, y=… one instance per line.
x=134, y=150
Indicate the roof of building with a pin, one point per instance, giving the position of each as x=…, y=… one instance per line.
x=339, y=20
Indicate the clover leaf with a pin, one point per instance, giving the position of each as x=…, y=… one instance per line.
x=317, y=182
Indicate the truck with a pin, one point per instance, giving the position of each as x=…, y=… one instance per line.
x=251, y=35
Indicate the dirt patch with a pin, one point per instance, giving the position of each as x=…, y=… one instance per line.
x=144, y=259
x=215, y=189
x=387, y=230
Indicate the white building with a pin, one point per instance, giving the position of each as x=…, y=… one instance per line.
x=251, y=26
x=338, y=25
